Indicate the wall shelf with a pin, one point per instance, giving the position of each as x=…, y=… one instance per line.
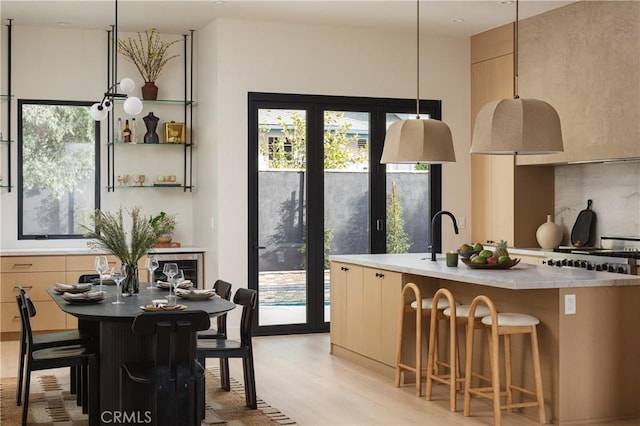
x=186, y=104
x=5, y=140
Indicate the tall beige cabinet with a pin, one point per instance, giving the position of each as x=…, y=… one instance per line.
x=508, y=202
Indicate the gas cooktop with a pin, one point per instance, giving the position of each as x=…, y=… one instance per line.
x=627, y=247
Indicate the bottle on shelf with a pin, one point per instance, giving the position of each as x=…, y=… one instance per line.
x=134, y=131
x=126, y=133
x=119, y=130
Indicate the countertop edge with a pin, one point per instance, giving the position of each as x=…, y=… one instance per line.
x=521, y=277
x=88, y=251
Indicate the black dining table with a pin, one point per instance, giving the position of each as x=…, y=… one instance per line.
x=109, y=325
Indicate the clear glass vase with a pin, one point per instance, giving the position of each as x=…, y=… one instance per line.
x=131, y=284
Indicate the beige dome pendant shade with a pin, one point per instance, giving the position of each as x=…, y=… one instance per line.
x=417, y=140
x=517, y=126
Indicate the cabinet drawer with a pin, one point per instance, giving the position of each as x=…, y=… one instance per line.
x=33, y=264
x=34, y=283
x=85, y=263
x=48, y=317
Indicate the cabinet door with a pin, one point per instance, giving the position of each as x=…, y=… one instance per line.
x=35, y=284
x=372, y=312
x=355, y=337
x=380, y=314
x=338, y=306
x=391, y=289
x=492, y=176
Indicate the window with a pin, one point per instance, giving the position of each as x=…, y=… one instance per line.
x=58, y=173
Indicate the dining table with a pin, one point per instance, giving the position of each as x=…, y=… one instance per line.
x=109, y=326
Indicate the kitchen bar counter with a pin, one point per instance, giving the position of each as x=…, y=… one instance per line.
x=589, y=356
x=520, y=277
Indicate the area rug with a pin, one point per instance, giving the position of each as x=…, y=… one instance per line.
x=50, y=403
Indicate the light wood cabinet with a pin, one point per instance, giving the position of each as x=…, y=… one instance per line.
x=364, y=305
x=35, y=274
x=507, y=202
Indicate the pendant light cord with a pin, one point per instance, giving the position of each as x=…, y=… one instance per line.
x=515, y=54
x=417, y=59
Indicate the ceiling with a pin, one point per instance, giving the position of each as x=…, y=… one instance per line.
x=179, y=16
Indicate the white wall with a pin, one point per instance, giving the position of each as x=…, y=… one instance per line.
x=233, y=58
x=237, y=57
x=70, y=64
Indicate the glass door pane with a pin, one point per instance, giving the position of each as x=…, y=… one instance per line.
x=346, y=188
x=282, y=169
x=407, y=203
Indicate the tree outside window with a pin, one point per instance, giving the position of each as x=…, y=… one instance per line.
x=58, y=179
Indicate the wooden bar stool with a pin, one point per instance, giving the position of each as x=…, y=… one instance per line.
x=503, y=324
x=420, y=310
x=457, y=316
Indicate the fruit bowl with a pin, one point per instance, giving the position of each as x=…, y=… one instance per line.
x=468, y=253
x=505, y=265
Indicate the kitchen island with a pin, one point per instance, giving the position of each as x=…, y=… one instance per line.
x=589, y=358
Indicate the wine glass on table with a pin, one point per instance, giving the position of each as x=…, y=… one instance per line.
x=177, y=280
x=101, y=266
x=151, y=264
x=170, y=270
x=118, y=275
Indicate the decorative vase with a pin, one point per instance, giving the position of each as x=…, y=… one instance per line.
x=131, y=284
x=549, y=235
x=149, y=91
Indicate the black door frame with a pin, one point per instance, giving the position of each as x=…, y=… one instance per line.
x=315, y=105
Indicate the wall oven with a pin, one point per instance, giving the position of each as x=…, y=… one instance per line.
x=191, y=263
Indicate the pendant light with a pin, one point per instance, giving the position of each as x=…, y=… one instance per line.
x=417, y=140
x=517, y=126
x=132, y=105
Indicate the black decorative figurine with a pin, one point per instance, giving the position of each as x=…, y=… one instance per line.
x=151, y=121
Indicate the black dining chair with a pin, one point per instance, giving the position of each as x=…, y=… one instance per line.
x=88, y=278
x=44, y=341
x=45, y=358
x=222, y=289
x=174, y=372
x=224, y=348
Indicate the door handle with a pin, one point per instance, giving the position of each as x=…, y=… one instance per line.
x=379, y=224
x=260, y=247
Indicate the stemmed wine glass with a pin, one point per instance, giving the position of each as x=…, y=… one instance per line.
x=177, y=280
x=170, y=270
x=151, y=265
x=101, y=266
x=118, y=276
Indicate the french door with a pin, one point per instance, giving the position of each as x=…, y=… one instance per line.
x=316, y=188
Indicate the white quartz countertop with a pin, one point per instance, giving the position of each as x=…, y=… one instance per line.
x=520, y=277
x=86, y=250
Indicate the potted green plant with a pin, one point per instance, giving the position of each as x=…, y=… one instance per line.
x=168, y=222
x=149, y=54
x=107, y=233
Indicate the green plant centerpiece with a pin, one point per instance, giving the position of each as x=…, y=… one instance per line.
x=165, y=220
x=108, y=234
x=149, y=54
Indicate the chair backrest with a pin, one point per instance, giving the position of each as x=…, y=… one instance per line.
x=87, y=278
x=27, y=310
x=175, y=334
x=222, y=289
x=248, y=298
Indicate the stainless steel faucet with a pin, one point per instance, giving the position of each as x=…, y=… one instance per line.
x=433, y=221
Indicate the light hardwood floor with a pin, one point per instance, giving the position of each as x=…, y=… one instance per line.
x=297, y=375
